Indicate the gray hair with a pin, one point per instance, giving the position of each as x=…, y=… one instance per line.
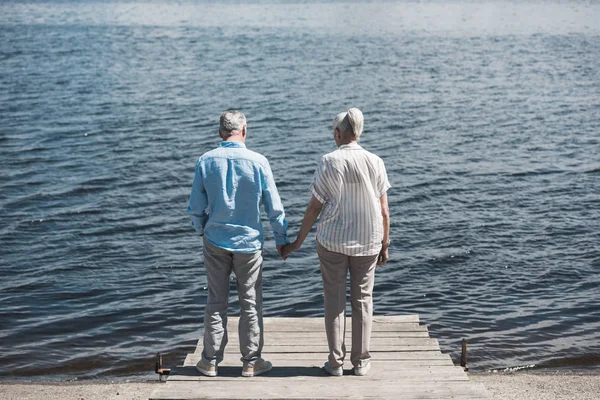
x=338, y=119
x=350, y=123
x=231, y=121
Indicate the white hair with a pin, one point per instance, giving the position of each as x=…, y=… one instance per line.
x=338, y=118
x=350, y=123
x=231, y=121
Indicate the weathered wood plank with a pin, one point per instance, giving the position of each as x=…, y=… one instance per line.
x=349, y=387
x=428, y=357
x=323, y=348
x=286, y=377
x=192, y=361
x=389, y=371
x=377, y=319
x=317, y=324
x=406, y=364
x=271, y=336
x=232, y=350
x=322, y=341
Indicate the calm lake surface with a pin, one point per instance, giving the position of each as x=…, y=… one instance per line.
x=487, y=115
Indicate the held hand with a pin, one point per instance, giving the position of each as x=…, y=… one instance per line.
x=383, y=256
x=288, y=249
x=280, y=248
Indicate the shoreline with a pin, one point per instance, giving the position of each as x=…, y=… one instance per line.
x=520, y=385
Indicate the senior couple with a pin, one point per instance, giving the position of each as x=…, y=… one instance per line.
x=348, y=192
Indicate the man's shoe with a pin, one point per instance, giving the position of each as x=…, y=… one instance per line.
x=362, y=371
x=260, y=367
x=206, y=369
x=334, y=371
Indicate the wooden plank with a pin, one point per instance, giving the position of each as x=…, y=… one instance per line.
x=311, y=337
x=377, y=319
x=317, y=324
x=389, y=371
x=286, y=377
x=420, y=356
x=299, y=337
x=323, y=348
x=406, y=364
x=318, y=327
x=232, y=350
x=322, y=341
x=351, y=386
x=192, y=360
x=376, y=366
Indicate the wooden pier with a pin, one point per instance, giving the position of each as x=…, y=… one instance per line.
x=406, y=364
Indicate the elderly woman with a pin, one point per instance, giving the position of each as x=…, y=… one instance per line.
x=349, y=192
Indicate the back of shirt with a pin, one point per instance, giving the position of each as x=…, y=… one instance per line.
x=350, y=182
x=229, y=186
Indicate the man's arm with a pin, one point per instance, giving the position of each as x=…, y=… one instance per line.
x=385, y=213
x=274, y=208
x=198, y=202
x=310, y=216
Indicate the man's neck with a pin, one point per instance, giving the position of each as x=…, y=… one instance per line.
x=236, y=138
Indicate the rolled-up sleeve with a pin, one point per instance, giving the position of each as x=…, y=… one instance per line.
x=198, y=202
x=273, y=206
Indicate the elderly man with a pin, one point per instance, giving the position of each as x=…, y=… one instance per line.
x=229, y=186
x=349, y=191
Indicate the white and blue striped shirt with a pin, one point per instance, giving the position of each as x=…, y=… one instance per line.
x=350, y=182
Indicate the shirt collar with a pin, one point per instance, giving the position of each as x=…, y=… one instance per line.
x=233, y=144
x=350, y=146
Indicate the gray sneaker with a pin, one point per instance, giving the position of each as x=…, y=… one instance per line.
x=334, y=371
x=260, y=367
x=206, y=369
x=362, y=371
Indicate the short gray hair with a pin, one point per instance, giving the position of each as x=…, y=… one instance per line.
x=231, y=121
x=350, y=123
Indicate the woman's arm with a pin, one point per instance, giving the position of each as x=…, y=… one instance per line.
x=385, y=212
x=310, y=216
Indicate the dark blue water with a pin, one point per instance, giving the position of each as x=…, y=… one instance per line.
x=487, y=116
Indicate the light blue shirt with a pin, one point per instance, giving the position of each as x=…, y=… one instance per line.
x=229, y=186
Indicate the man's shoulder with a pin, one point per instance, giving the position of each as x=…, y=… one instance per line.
x=242, y=154
x=209, y=154
x=255, y=156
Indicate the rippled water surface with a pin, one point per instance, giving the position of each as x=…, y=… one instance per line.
x=487, y=116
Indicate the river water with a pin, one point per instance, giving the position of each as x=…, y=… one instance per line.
x=486, y=114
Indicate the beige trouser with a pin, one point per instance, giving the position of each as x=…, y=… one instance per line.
x=334, y=269
x=219, y=264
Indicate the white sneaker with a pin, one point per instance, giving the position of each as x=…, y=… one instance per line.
x=206, y=369
x=337, y=371
x=260, y=367
x=362, y=371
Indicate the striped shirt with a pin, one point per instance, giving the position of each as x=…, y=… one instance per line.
x=350, y=182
